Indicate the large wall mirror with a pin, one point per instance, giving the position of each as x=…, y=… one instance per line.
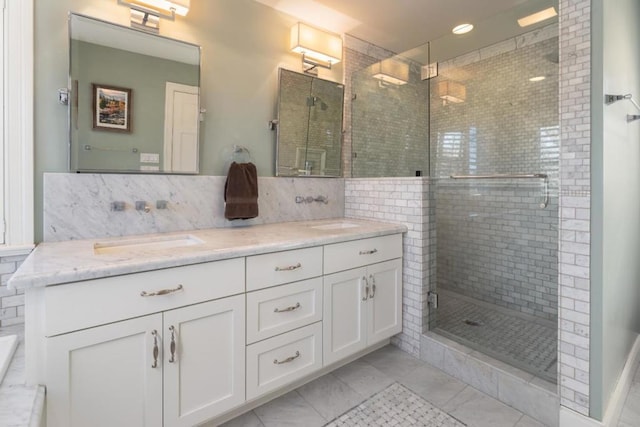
x=135, y=100
x=309, y=126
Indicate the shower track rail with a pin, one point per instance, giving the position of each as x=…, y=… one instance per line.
x=544, y=176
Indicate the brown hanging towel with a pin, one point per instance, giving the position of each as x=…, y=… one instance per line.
x=241, y=191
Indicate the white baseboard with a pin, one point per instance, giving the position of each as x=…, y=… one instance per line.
x=619, y=395
x=569, y=418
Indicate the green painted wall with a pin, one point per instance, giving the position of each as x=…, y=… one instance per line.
x=615, y=295
x=146, y=76
x=243, y=44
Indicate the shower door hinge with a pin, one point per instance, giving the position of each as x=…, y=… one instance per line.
x=432, y=299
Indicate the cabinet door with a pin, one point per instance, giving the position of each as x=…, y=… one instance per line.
x=344, y=331
x=384, y=311
x=106, y=376
x=205, y=374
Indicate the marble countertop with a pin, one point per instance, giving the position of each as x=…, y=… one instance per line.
x=77, y=260
x=20, y=404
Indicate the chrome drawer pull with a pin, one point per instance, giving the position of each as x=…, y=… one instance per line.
x=156, y=351
x=287, y=360
x=373, y=285
x=371, y=252
x=366, y=288
x=293, y=307
x=289, y=268
x=162, y=292
x=172, y=345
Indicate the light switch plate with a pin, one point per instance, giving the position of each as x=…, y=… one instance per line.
x=149, y=158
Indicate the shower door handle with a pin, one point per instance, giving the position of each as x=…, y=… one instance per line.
x=366, y=289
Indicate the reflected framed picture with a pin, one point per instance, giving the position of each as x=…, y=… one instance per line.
x=111, y=108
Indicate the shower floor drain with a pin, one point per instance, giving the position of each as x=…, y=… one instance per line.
x=472, y=322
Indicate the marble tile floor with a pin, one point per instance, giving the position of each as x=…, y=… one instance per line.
x=630, y=416
x=320, y=401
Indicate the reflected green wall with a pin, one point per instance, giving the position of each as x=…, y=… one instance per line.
x=243, y=44
x=146, y=76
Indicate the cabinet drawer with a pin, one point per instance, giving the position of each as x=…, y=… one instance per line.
x=283, y=267
x=356, y=253
x=282, y=359
x=280, y=309
x=95, y=302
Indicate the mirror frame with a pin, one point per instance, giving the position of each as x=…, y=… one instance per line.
x=72, y=93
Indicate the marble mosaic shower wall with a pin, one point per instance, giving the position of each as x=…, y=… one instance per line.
x=78, y=206
x=495, y=242
x=575, y=204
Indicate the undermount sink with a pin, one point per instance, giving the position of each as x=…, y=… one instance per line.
x=336, y=226
x=145, y=244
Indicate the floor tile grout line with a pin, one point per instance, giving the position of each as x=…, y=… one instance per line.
x=310, y=404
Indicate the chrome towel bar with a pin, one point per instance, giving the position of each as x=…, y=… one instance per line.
x=501, y=176
x=544, y=176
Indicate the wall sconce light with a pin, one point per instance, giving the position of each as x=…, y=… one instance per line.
x=318, y=48
x=146, y=14
x=450, y=91
x=392, y=71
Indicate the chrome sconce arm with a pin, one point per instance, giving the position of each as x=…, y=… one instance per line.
x=148, y=18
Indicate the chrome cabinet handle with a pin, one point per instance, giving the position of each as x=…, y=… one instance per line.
x=156, y=350
x=289, y=268
x=373, y=286
x=172, y=344
x=291, y=308
x=161, y=292
x=371, y=252
x=287, y=360
x=366, y=289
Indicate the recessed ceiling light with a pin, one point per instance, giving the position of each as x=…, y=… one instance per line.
x=534, y=18
x=537, y=79
x=462, y=28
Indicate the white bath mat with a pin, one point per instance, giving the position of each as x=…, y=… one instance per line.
x=395, y=406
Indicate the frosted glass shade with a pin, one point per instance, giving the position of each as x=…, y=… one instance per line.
x=452, y=91
x=181, y=6
x=391, y=71
x=534, y=18
x=316, y=44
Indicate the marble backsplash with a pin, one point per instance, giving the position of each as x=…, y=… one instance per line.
x=78, y=206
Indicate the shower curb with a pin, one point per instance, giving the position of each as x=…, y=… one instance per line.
x=511, y=386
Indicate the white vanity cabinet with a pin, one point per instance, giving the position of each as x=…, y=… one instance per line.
x=105, y=376
x=186, y=345
x=178, y=367
x=362, y=305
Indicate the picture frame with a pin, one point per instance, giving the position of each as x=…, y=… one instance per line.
x=111, y=108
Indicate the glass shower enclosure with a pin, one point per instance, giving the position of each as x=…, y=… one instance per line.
x=480, y=118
